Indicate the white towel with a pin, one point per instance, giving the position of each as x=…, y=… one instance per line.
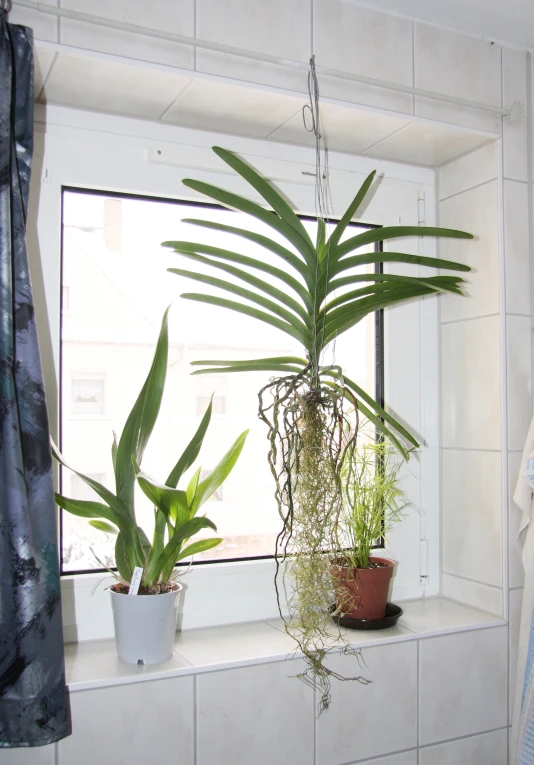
x=523, y=714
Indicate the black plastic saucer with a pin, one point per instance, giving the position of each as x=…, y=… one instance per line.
x=392, y=614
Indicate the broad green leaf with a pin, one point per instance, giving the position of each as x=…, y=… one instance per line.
x=267, y=287
x=192, y=487
x=394, y=232
x=158, y=541
x=248, y=368
x=339, y=230
x=145, y=543
x=249, y=295
x=201, y=546
x=173, y=502
x=173, y=547
x=266, y=190
x=234, y=362
x=192, y=450
x=107, y=528
x=263, y=241
x=321, y=238
x=114, y=452
x=219, y=474
x=85, y=509
x=122, y=559
x=141, y=420
x=235, y=202
x=289, y=329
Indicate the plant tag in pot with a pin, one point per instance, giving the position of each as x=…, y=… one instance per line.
x=136, y=580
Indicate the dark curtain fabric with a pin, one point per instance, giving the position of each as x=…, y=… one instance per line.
x=33, y=705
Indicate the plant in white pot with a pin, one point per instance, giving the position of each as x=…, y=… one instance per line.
x=145, y=624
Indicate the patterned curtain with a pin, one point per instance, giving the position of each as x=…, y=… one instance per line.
x=33, y=704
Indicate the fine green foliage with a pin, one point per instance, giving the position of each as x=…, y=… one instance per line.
x=176, y=518
x=373, y=501
x=318, y=293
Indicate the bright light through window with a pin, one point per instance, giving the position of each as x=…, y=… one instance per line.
x=114, y=271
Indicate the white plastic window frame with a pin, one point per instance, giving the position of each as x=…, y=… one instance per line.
x=88, y=150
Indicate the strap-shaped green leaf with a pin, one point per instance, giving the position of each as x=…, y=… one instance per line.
x=235, y=202
x=201, y=546
x=395, y=257
x=286, y=368
x=394, y=232
x=141, y=420
x=192, y=449
x=192, y=487
x=84, y=508
x=263, y=241
x=103, y=526
x=289, y=329
x=339, y=230
x=232, y=362
x=172, y=502
x=260, y=284
x=266, y=190
x=246, y=294
x=122, y=558
x=219, y=474
x=172, y=549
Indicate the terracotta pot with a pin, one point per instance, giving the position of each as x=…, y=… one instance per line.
x=362, y=593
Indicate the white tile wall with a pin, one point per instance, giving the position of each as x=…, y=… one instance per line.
x=42, y=755
x=277, y=28
x=149, y=722
x=245, y=715
x=470, y=384
x=248, y=70
x=460, y=696
x=375, y=719
x=45, y=26
x=363, y=41
x=476, y=211
x=166, y=15
x=516, y=570
x=43, y=60
x=487, y=749
x=471, y=515
x=454, y=64
x=514, y=74
x=515, y=603
x=471, y=170
x=516, y=247
x=404, y=758
x=519, y=371
x=481, y=596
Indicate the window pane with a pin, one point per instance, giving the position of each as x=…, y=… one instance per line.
x=115, y=269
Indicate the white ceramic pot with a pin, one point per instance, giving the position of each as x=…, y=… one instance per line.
x=145, y=626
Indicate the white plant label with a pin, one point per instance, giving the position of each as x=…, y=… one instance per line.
x=136, y=580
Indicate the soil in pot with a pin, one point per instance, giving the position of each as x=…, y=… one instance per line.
x=362, y=593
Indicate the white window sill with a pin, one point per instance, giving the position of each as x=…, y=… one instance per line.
x=95, y=664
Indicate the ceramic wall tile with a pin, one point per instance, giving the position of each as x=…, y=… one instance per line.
x=403, y=758
x=114, y=88
x=481, y=596
x=360, y=40
x=457, y=65
x=471, y=515
x=516, y=572
x=165, y=15
x=43, y=61
x=462, y=116
x=242, y=713
x=515, y=603
x=470, y=170
x=370, y=720
x=471, y=384
x=368, y=95
x=514, y=82
x=249, y=24
x=475, y=211
x=519, y=379
x=516, y=247
x=238, y=110
x=123, y=724
x=489, y=748
x=44, y=25
x=252, y=71
x=42, y=755
x=462, y=684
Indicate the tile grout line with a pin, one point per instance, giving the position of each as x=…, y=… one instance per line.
x=469, y=188
x=469, y=318
x=463, y=738
x=195, y=721
x=474, y=581
x=418, y=688
x=195, y=34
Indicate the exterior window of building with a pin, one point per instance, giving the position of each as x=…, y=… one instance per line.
x=111, y=325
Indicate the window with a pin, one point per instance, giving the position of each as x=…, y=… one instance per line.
x=87, y=396
x=113, y=324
